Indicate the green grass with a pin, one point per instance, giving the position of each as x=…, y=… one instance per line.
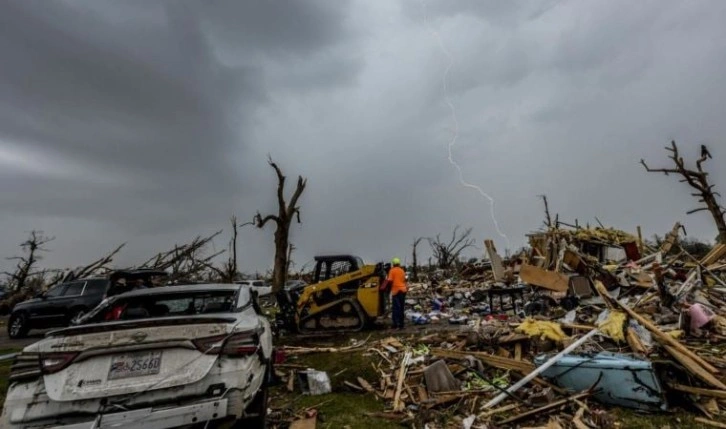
x=5, y=373
x=678, y=419
x=342, y=408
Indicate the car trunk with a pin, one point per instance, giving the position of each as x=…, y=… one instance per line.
x=132, y=357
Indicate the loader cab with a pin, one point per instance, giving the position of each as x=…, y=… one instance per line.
x=327, y=267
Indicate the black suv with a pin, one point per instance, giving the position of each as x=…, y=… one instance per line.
x=68, y=301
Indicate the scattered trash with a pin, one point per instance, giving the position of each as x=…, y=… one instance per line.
x=314, y=382
x=588, y=316
x=439, y=378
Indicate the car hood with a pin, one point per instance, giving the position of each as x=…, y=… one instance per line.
x=27, y=303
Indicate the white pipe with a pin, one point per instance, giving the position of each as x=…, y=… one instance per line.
x=513, y=388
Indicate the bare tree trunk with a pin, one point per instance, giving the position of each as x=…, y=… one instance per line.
x=31, y=247
x=283, y=219
x=698, y=180
x=415, y=260
x=233, y=264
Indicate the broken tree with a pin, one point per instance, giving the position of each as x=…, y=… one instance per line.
x=283, y=219
x=31, y=247
x=698, y=180
x=448, y=253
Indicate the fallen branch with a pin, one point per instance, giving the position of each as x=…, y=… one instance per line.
x=545, y=409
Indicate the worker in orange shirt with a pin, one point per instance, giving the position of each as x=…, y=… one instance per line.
x=397, y=282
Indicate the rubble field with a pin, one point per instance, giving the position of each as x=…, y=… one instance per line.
x=590, y=328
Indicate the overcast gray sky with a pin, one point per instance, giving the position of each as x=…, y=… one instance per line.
x=149, y=122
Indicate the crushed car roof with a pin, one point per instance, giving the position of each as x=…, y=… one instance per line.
x=206, y=287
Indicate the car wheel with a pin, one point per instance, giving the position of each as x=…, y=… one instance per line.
x=76, y=314
x=18, y=325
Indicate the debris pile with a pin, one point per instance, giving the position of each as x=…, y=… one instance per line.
x=589, y=320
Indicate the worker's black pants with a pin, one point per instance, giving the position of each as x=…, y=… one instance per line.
x=398, y=301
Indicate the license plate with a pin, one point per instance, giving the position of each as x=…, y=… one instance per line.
x=134, y=365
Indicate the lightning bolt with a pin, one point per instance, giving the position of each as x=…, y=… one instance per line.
x=455, y=136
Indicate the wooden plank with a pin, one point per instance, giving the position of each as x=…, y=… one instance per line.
x=353, y=386
x=518, y=352
x=547, y=279
x=397, y=404
x=496, y=260
x=423, y=396
x=544, y=409
x=710, y=422
x=634, y=341
x=695, y=368
x=291, y=382
x=366, y=385
x=495, y=361
x=717, y=252
x=503, y=409
x=306, y=423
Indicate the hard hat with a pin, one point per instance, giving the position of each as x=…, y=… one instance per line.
x=396, y=261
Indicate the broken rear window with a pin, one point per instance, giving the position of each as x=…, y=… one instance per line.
x=168, y=305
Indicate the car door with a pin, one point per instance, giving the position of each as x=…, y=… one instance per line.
x=60, y=307
x=42, y=312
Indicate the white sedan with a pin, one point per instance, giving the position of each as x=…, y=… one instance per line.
x=262, y=287
x=153, y=358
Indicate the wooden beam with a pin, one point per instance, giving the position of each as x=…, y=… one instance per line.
x=545, y=409
x=695, y=368
x=721, y=394
x=710, y=422
x=659, y=335
x=547, y=279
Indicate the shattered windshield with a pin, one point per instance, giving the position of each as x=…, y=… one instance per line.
x=177, y=304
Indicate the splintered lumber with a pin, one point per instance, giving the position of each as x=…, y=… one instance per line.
x=721, y=394
x=577, y=421
x=291, y=382
x=492, y=360
x=353, y=386
x=397, y=404
x=717, y=252
x=505, y=408
x=547, y=279
x=522, y=367
x=657, y=333
x=290, y=350
x=366, y=385
x=695, y=368
x=546, y=408
x=516, y=386
x=496, y=260
x=518, y=352
x=710, y=422
x=634, y=341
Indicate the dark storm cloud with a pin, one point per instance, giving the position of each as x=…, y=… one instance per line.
x=151, y=121
x=148, y=98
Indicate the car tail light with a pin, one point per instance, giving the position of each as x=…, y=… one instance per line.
x=26, y=367
x=54, y=362
x=242, y=344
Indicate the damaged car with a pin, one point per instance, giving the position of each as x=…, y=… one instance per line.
x=151, y=358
